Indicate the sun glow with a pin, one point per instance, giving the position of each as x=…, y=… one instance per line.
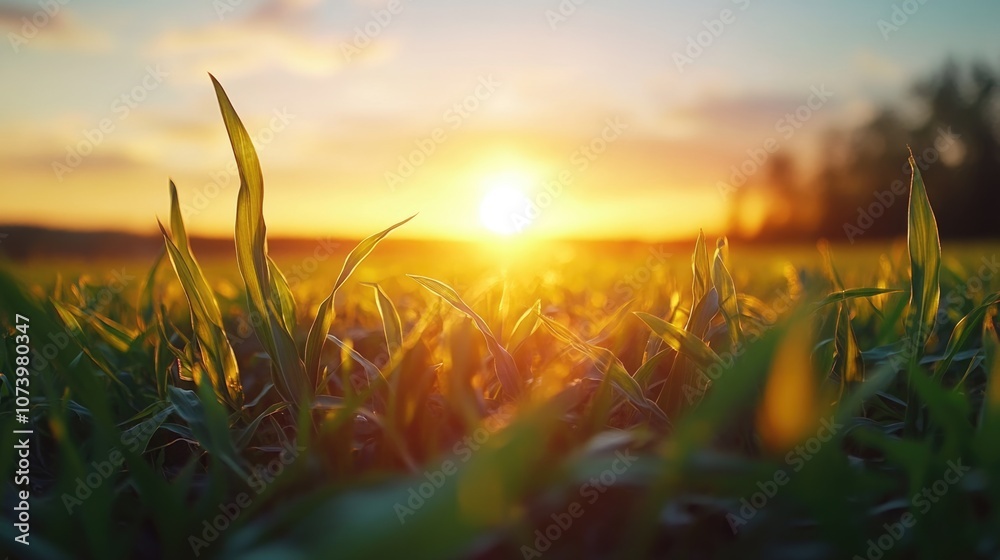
x=504, y=208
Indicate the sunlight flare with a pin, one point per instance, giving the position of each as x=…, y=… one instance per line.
x=504, y=209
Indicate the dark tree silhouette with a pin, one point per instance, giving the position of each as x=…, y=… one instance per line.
x=862, y=188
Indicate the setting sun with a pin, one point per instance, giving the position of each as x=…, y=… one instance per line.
x=504, y=208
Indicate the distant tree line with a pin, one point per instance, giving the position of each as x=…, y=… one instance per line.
x=951, y=121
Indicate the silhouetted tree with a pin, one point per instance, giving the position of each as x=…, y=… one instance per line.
x=862, y=187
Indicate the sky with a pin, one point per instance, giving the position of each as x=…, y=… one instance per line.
x=547, y=118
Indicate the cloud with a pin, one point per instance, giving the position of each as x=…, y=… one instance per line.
x=275, y=35
x=285, y=11
x=56, y=29
x=243, y=50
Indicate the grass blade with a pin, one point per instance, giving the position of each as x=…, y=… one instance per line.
x=925, y=281
x=506, y=369
x=925, y=264
x=852, y=293
x=610, y=366
x=723, y=282
x=217, y=356
x=525, y=326
x=701, y=269
x=680, y=340
x=963, y=330
x=251, y=256
x=324, y=317
x=391, y=325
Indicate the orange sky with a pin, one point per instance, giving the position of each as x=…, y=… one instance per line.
x=610, y=102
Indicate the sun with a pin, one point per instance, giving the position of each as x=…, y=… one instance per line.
x=504, y=209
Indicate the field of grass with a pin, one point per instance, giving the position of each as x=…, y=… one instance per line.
x=802, y=402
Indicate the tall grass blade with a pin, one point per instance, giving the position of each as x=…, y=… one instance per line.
x=925, y=282
x=251, y=256
x=218, y=358
x=925, y=264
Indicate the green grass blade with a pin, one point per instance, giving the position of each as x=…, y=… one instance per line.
x=701, y=269
x=611, y=326
x=525, y=326
x=371, y=370
x=75, y=330
x=391, y=325
x=506, y=369
x=283, y=295
x=989, y=412
x=723, y=282
x=251, y=256
x=208, y=423
x=963, y=330
x=646, y=370
x=324, y=317
x=218, y=358
x=925, y=264
x=610, y=366
x=146, y=309
x=852, y=293
x=680, y=340
x=925, y=283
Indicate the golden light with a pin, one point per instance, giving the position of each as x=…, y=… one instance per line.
x=504, y=209
x=789, y=411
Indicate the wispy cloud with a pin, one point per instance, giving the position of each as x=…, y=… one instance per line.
x=275, y=35
x=55, y=29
